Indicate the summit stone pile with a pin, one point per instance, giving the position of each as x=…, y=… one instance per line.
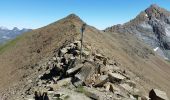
x=95, y=76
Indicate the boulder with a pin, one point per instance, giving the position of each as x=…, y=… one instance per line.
x=86, y=71
x=99, y=56
x=101, y=80
x=107, y=86
x=75, y=69
x=156, y=94
x=85, y=53
x=116, y=77
x=62, y=82
x=106, y=69
x=131, y=83
x=78, y=44
x=54, y=59
x=73, y=62
x=92, y=95
x=72, y=45
x=116, y=69
x=63, y=51
x=113, y=88
x=127, y=87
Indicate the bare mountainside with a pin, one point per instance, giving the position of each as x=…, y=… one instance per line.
x=152, y=26
x=22, y=60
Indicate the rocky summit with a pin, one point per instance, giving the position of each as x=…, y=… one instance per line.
x=151, y=26
x=55, y=63
x=65, y=74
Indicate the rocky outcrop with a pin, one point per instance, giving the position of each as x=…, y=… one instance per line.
x=92, y=75
x=151, y=26
x=156, y=94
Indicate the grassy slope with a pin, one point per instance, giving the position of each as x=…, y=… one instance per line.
x=9, y=44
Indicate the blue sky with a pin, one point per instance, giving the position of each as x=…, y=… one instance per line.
x=98, y=13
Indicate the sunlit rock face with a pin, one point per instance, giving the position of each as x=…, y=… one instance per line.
x=151, y=26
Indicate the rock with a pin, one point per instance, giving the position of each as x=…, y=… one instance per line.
x=63, y=51
x=54, y=59
x=92, y=95
x=115, y=77
x=139, y=98
x=116, y=69
x=77, y=82
x=57, y=95
x=101, y=80
x=62, y=82
x=76, y=52
x=41, y=96
x=85, y=53
x=73, y=62
x=156, y=94
x=86, y=71
x=75, y=69
x=131, y=83
x=113, y=88
x=107, y=86
x=127, y=87
x=68, y=48
x=132, y=97
x=68, y=56
x=99, y=56
x=145, y=98
x=106, y=69
x=72, y=45
x=78, y=44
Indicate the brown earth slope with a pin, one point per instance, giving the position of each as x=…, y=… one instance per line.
x=28, y=49
x=17, y=59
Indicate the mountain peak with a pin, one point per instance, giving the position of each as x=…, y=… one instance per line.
x=74, y=17
x=15, y=28
x=154, y=11
x=154, y=6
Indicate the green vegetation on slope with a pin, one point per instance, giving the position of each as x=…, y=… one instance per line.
x=9, y=44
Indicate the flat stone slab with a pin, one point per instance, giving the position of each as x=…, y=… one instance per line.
x=73, y=70
x=101, y=80
x=126, y=87
x=156, y=94
x=62, y=82
x=116, y=76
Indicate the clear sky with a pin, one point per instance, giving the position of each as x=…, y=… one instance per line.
x=98, y=13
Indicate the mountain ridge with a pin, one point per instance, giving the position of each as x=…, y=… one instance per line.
x=151, y=26
x=35, y=47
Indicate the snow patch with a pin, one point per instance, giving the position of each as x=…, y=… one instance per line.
x=5, y=37
x=3, y=28
x=156, y=49
x=167, y=31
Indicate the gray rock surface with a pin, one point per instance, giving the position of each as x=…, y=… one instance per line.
x=151, y=26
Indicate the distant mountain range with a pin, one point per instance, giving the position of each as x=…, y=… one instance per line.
x=7, y=34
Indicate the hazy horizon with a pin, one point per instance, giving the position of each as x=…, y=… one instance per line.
x=100, y=14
